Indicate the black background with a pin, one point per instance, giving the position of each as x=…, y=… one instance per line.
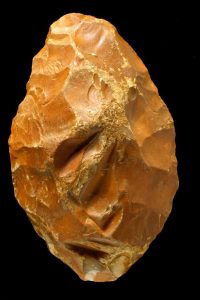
x=165, y=36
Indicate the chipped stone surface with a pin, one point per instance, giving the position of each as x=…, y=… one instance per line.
x=93, y=149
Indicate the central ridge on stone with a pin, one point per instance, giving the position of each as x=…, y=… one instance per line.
x=92, y=150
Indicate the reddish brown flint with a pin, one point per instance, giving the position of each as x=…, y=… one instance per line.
x=92, y=150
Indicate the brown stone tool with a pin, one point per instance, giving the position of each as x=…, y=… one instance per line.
x=92, y=149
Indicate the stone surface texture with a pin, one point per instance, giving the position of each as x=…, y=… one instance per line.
x=92, y=150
